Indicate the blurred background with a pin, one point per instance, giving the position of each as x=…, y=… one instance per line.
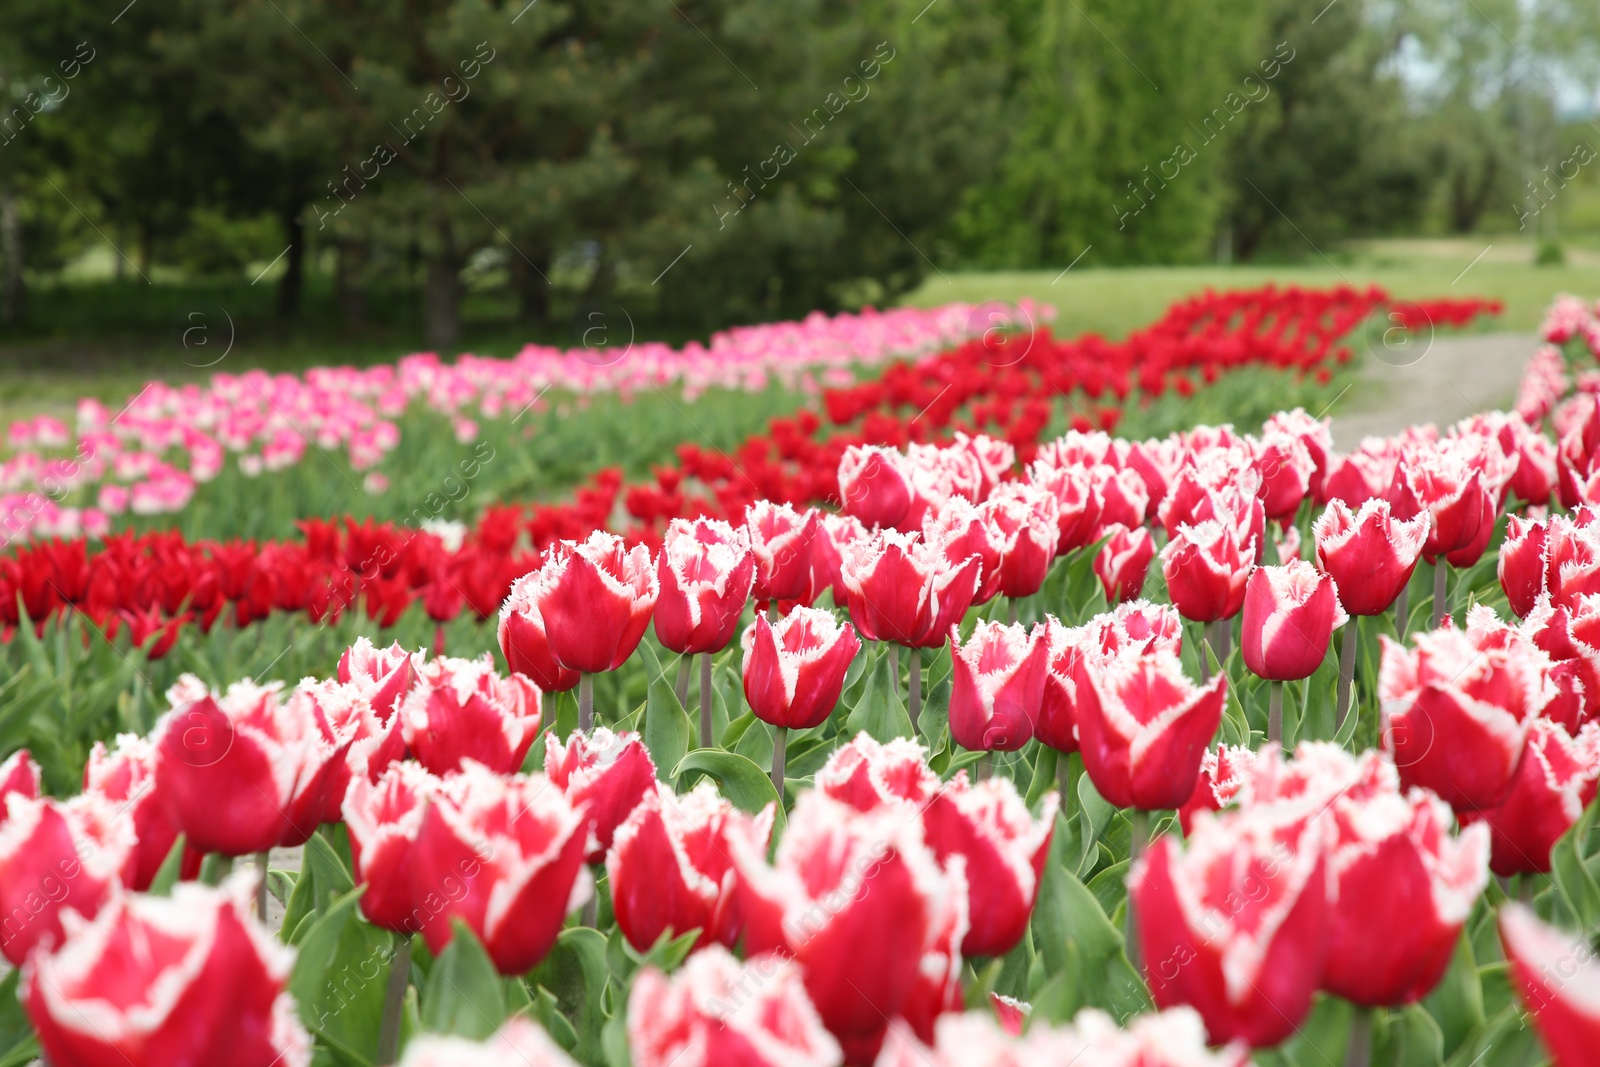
x=320, y=181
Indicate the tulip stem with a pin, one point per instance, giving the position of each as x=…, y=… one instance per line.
x=1358, y=1053
x=1402, y=608
x=985, y=767
x=681, y=688
x=1347, y=670
x=705, y=700
x=590, y=915
x=780, y=738
x=914, y=704
x=262, y=859
x=1138, y=838
x=394, y=1000
x=1224, y=639
x=1275, y=715
x=894, y=666
x=585, y=702
x=1440, y=594
x=1011, y=611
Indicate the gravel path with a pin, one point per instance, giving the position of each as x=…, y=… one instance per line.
x=1449, y=379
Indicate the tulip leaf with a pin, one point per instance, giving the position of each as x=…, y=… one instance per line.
x=1407, y=1038
x=167, y=874
x=464, y=995
x=17, y=1043
x=880, y=711
x=1067, y=914
x=736, y=730
x=1456, y=1003
x=575, y=973
x=1572, y=876
x=746, y=785
x=666, y=725
x=1044, y=774
x=1321, y=1037
x=1094, y=815
x=323, y=879
x=614, y=1041
x=340, y=977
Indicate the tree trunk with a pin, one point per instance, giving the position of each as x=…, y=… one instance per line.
x=350, y=281
x=441, y=297
x=529, y=281
x=289, y=286
x=13, y=291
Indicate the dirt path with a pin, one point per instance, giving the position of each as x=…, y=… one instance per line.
x=1449, y=379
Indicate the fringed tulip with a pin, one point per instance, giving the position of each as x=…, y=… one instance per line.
x=384, y=675
x=383, y=818
x=1223, y=773
x=874, y=486
x=1556, y=780
x=1558, y=979
x=718, y=1012
x=56, y=857
x=1057, y=723
x=461, y=709
x=1286, y=470
x=997, y=686
x=668, y=867
x=780, y=539
x=1206, y=569
x=901, y=588
x=1026, y=520
x=155, y=981
x=963, y=529
x=1123, y=562
x=705, y=570
x=1521, y=564
x=1456, y=500
x=794, y=670
x=1077, y=505
x=605, y=775
x=1290, y=613
x=505, y=856
x=125, y=777
x=866, y=773
x=1369, y=554
x=595, y=598
x=20, y=775
x=523, y=640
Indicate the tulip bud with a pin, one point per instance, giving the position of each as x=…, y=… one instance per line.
x=900, y=588
x=605, y=774
x=1057, y=724
x=1370, y=555
x=668, y=867
x=1290, y=613
x=1555, y=781
x=1077, y=505
x=1143, y=728
x=717, y=1011
x=504, y=854
x=1521, y=566
x=997, y=686
x=705, y=571
x=595, y=598
x=781, y=538
x=460, y=710
x=1556, y=976
x=1124, y=561
x=57, y=857
x=1025, y=518
x=125, y=777
x=874, y=486
x=523, y=640
x=1235, y=924
x=518, y=1043
x=383, y=818
x=1206, y=569
x=383, y=675
x=794, y=671
x=187, y=979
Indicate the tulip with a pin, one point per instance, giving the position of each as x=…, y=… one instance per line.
x=705, y=570
x=995, y=458
x=1235, y=924
x=1136, y=626
x=1143, y=728
x=595, y=599
x=57, y=857
x=1521, y=566
x=19, y=774
x=1026, y=521
x=1057, y=723
x=1556, y=977
x=1123, y=561
x=384, y=675
x=1122, y=495
x=383, y=818
x=523, y=640
x=1223, y=773
x=518, y=1043
x=504, y=854
x=605, y=775
x=460, y=710
x=874, y=485
x=1173, y=1038
x=1369, y=554
x=835, y=533
x=857, y=900
x=668, y=866
x=125, y=777
x=152, y=981
x=1077, y=505
x=781, y=538
x=717, y=1012
x=1555, y=781
x=938, y=990
x=1003, y=851
x=901, y=588
x=1290, y=613
x=357, y=743
x=1315, y=435
x=1456, y=710
x=867, y=774
x=996, y=687
x=1205, y=569
x=963, y=529
x=1286, y=468
x=794, y=673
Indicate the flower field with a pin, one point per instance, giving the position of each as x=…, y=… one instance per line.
x=944, y=692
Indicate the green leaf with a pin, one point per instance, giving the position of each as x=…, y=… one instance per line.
x=1456, y=1003
x=1570, y=873
x=576, y=974
x=1094, y=815
x=17, y=1043
x=464, y=995
x=340, y=977
x=747, y=786
x=323, y=879
x=171, y=867
x=1407, y=1038
x=880, y=712
x=667, y=730
x=1044, y=774
x=1067, y=916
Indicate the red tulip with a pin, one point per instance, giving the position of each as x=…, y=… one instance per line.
x=1223, y=773
x=901, y=588
x=1077, y=505
x=717, y=1012
x=1123, y=562
x=153, y=981
x=1554, y=783
x=668, y=867
x=384, y=675
x=1057, y=723
x=1138, y=626
x=504, y=854
x=1003, y=850
x=460, y=710
x=518, y=1043
x=595, y=598
x=1370, y=555
x=1556, y=976
x=781, y=538
x=938, y=989
x=1315, y=435
x=603, y=774
x=994, y=458
x=835, y=533
x=20, y=775
x=1521, y=566
x=125, y=777
x=1360, y=476
x=857, y=899
x=1235, y=924
x=794, y=670
x=1454, y=494
x=963, y=529
x=1456, y=708
x=866, y=773
x=1026, y=521
x=1290, y=613
x=997, y=686
x=1173, y=1038
x=705, y=571
x=1206, y=569
x=1571, y=638
x=383, y=818
x=1143, y=728
x=1286, y=469
x=523, y=640
x=1122, y=495
x=874, y=485
x=1572, y=554
x=57, y=857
